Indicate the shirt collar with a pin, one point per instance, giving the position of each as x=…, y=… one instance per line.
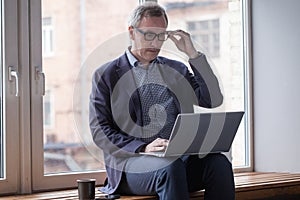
x=132, y=60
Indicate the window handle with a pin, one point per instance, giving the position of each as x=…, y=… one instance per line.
x=14, y=73
x=40, y=75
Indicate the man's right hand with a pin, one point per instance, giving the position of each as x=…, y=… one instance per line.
x=157, y=145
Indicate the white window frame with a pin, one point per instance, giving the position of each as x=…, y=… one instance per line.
x=248, y=83
x=10, y=101
x=2, y=94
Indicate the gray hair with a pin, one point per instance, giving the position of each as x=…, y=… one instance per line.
x=149, y=9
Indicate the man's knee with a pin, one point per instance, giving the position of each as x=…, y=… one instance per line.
x=174, y=173
x=218, y=160
x=218, y=166
x=172, y=179
x=175, y=168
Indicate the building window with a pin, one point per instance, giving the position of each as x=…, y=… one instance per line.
x=48, y=110
x=47, y=37
x=207, y=34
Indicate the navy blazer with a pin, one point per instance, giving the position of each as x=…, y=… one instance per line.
x=115, y=108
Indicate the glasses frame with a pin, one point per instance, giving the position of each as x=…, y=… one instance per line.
x=145, y=33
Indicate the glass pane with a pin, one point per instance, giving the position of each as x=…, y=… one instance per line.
x=1, y=101
x=72, y=32
x=216, y=27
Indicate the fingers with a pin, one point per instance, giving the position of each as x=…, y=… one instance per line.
x=152, y=149
x=157, y=145
x=178, y=34
x=183, y=42
x=161, y=142
x=181, y=39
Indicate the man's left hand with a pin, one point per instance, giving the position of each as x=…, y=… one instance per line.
x=183, y=42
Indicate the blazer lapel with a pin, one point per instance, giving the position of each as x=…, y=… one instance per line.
x=128, y=86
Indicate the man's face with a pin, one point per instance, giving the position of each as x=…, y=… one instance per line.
x=145, y=49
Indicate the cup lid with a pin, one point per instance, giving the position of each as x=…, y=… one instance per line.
x=86, y=180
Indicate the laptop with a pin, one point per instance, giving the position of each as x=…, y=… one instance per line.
x=201, y=133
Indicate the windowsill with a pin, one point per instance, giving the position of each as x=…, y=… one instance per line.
x=257, y=185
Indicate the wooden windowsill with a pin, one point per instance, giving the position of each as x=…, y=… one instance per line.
x=250, y=185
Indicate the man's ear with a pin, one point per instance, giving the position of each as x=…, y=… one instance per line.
x=131, y=32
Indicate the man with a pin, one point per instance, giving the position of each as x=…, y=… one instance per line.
x=134, y=103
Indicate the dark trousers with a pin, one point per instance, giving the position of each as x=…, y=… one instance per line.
x=171, y=178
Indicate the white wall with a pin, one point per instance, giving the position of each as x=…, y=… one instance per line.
x=276, y=65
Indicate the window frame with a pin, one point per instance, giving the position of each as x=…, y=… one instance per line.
x=9, y=37
x=1, y=86
x=248, y=85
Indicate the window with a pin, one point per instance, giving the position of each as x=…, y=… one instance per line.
x=44, y=130
x=207, y=33
x=64, y=136
x=47, y=43
x=217, y=30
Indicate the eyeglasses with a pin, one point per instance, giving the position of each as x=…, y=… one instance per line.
x=149, y=36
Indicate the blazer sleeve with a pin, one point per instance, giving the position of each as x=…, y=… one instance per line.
x=106, y=134
x=205, y=83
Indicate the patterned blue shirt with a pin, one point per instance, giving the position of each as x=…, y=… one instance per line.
x=158, y=108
